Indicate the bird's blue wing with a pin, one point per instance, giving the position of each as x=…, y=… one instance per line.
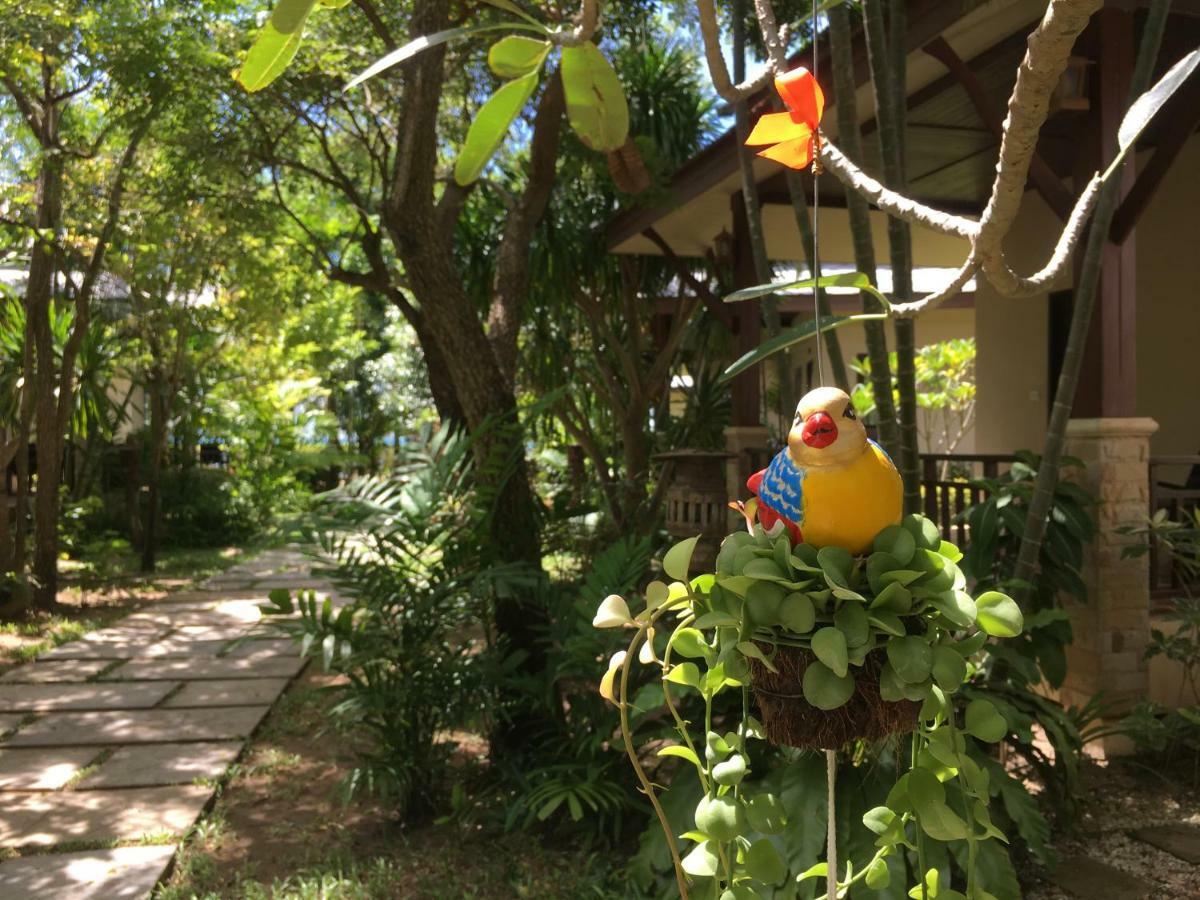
x=879, y=447
x=782, y=487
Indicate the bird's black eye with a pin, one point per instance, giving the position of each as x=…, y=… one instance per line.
x=850, y=413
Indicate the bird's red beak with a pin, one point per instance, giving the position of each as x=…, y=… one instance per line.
x=819, y=430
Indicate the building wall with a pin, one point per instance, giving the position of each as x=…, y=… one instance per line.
x=1013, y=334
x=1168, y=320
x=937, y=325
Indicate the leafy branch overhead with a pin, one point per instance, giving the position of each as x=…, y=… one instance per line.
x=596, y=106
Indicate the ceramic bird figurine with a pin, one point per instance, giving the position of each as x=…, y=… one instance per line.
x=831, y=486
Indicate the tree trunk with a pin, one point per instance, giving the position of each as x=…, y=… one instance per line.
x=39, y=292
x=490, y=412
x=157, y=448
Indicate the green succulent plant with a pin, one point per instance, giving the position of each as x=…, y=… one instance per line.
x=907, y=603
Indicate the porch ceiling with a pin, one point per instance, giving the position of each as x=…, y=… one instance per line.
x=952, y=153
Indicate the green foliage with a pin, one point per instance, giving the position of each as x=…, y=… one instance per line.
x=945, y=383
x=406, y=550
x=892, y=603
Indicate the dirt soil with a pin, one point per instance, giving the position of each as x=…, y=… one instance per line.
x=280, y=829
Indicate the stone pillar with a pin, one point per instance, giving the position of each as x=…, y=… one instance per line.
x=1112, y=628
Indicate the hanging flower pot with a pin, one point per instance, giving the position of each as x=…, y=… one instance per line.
x=790, y=720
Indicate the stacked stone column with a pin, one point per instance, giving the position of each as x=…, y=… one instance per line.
x=1113, y=626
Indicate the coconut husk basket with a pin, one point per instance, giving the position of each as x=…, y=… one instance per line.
x=790, y=720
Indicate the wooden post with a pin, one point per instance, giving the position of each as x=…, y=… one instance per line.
x=1108, y=382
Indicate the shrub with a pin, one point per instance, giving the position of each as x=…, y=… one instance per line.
x=406, y=549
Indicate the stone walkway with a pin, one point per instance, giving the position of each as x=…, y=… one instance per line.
x=112, y=746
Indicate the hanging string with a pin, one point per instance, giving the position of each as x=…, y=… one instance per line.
x=816, y=215
x=831, y=861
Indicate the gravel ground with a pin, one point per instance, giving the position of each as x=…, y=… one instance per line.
x=1122, y=797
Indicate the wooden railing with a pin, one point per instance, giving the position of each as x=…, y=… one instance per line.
x=947, y=487
x=1175, y=488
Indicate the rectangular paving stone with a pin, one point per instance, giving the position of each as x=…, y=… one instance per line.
x=1090, y=879
x=47, y=819
x=236, y=692
x=1178, y=840
x=138, y=726
x=44, y=769
x=264, y=648
x=122, y=873
x=200, y=669
x=169, y=648
x=145, y=765
x=133, y=695
x=62, y=670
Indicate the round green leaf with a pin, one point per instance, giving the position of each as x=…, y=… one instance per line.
x=894, y=597
x=797, y=614
x=721, y=818
x=763, y=863
x=731, y=771
x=829, y=645
x=911, y=658
x=678, y=559
x=763, y=602
x=879, y=819
x=690, y=642
x=851, y=619
x=516, y=55
x=765, y=568
x=596, y=105
x=924, y=532
x=897, y=542
x=836, y=563
x=824, y=688
x=878, y=875
x=490, y=126
x=957, y=606
x=999, y=615
x=983, y=722
x=891, y=688
x=766, y=814
x=949, y=668
x=741, y=892
x=702, y=862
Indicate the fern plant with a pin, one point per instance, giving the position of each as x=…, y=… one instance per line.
x=406, y=550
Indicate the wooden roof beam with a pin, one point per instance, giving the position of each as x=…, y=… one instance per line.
x=1057, y=197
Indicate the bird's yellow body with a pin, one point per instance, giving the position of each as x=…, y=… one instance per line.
x=847, y=506
x=831, y=486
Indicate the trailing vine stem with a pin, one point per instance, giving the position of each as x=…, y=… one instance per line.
x=921, y=864
x=968, y=817
x=631, y=751
x=831, y=860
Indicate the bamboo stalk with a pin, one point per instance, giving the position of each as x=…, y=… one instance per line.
x=888, y=79
x=846, y=107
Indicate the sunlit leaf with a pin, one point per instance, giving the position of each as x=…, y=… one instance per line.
x=596, y=105
x=490, y=125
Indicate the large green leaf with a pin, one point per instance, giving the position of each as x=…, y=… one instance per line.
x=792, y=336
x=491, y=125
x=824, y=688
x=596, y=106
x=998, y=614
x=516, y=55
x=855, y=280
x=1146, y=107
x=829, y=646
x=417, y=45
x=276, y=44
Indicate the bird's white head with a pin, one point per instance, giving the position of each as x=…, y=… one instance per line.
x=826, y=430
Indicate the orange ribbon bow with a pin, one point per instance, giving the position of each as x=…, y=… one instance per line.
x=792, y=134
